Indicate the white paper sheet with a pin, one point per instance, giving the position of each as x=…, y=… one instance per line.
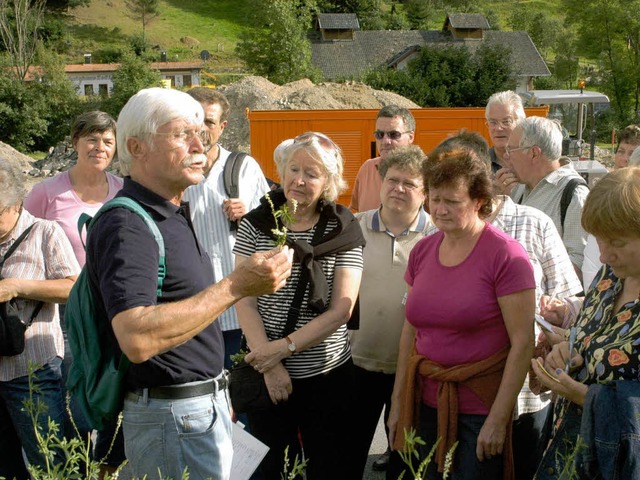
x=248, y=452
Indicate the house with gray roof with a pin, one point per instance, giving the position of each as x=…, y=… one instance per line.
x=352, y=55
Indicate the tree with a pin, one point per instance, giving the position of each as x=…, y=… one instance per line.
x=133, y=75
x=449, y=77
x=37, y=114
x=143, y=10
x=420, y=13
x=20, y=21
x=280, y=49
x=609, y=33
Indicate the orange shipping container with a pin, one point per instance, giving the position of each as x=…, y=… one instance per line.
x=353, y=130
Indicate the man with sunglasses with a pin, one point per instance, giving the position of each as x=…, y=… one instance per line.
x=176, y=411
x=395, y=127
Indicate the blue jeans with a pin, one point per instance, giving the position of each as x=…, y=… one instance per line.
x=466, y=465
x=16, y=426
x=165, y=437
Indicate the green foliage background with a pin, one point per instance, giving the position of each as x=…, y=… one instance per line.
x=594, y=40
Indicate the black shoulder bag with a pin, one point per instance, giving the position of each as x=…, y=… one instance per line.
x=11, y=327
x=247, y=389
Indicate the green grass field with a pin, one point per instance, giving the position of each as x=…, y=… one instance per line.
x=214, y=24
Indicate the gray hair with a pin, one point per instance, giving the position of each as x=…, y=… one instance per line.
x=390, y=111
x=408, y=159
x=11, y=184
x=507, y=98
x=634, y=159
x=544, y=133
x=323, y=150
x=148, y=110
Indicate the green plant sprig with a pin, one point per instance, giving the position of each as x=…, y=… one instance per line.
x=285, y=215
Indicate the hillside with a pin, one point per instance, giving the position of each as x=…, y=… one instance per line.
x=183, y=29
x=186, y=27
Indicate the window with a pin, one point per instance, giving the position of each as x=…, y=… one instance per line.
x=173, y=80
x=186, y=81
x=88, y=89
x=103, y=90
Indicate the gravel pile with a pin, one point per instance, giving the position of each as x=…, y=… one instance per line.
x=258, y=93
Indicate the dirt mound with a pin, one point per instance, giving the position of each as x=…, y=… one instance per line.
x=258, y=93
x=23, y=162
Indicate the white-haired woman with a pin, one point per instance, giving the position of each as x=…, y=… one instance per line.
x=308, y=371
x=39, y=270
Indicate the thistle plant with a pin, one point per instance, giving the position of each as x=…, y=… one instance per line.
x=297, y=470
x=285, y=216
x=412, y=449
x=238, y=358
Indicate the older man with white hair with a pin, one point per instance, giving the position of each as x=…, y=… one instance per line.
x=504, y=110
x=176, y=413
x=533, y=154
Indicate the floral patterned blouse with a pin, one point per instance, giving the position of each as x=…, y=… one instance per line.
x=609, y=344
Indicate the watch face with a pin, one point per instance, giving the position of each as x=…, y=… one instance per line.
x=292, y=347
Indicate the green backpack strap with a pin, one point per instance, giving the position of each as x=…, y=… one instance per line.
x=135, y=207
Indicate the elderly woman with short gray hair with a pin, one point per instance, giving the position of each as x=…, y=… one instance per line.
x=38, y=271
x=298, y=335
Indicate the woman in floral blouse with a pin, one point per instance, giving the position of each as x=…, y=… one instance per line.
x=607, y=330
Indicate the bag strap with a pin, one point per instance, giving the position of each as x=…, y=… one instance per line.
x=567, y=195
x=15, y=245
x=231, y=179
x=10, y=251
x=231, y=173
x=135, y=207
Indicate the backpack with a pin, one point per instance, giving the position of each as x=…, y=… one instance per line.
x=96, y=376
x=231, y=179
x=567, y=195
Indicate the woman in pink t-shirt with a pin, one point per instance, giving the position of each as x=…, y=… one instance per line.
x=86, y=186
x=470, y=311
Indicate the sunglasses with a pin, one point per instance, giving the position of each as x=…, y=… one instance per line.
x=393, y=134
x=322, y=139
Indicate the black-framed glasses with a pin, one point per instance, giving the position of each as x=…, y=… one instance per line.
x=392, y=134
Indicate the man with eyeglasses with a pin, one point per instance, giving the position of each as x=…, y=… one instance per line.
x=176, y=411
x=391, y=232
x=533, y=154
x=504, y=110
x=212, y=210
x=395, y=127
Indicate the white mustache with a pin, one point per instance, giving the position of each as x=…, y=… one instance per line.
x=194, y=158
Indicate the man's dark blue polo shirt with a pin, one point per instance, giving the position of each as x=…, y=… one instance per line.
x=122, y=263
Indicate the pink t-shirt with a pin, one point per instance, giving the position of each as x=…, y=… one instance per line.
x=366, y=188
x=455, y=310
x=55, y=199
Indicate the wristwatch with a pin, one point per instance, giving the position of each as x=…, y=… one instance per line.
x=291, y=345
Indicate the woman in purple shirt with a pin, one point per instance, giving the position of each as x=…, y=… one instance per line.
x=470, y=311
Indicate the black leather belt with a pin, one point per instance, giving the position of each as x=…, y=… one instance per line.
x=183, y=391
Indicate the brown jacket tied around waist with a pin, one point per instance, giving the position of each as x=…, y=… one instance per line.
x=482, y=377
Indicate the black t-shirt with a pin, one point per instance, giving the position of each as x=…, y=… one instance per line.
x=122, y=263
